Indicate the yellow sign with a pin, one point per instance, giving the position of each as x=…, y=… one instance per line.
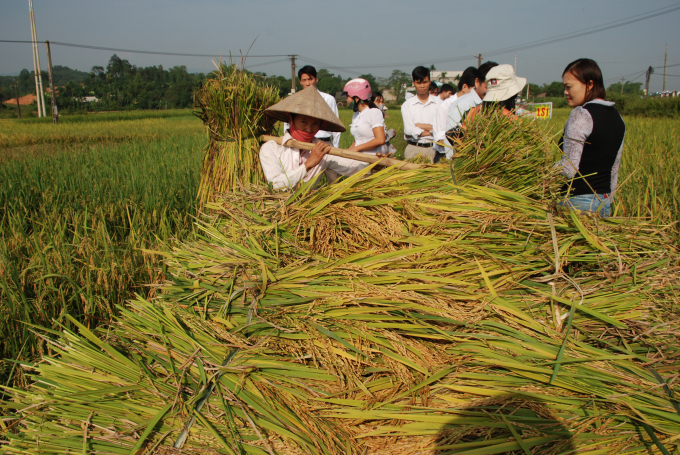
x=543, y=110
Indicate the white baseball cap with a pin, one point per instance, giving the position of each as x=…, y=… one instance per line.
x=502, y=84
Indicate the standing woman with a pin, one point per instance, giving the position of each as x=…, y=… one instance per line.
x=368, y=124
x=592, y=142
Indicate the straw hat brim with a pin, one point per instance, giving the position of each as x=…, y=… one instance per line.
x=307, y=102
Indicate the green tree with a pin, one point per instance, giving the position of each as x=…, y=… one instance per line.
x=375, y=86
x=397, y=82
x=629, y=88
x=329, y=82
x=554, y=89
x=534, y=90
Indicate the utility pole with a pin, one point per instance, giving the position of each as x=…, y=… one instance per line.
x=622, y=79
x=53, y=98
x=292, y=73
x=40, y=95
x=527, y=92
x=650, y=70
x=665, y=60
x=479, y=59
x=16, y=94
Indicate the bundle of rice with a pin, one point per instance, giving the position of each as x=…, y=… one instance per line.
x=232, y=104
x=389, y=313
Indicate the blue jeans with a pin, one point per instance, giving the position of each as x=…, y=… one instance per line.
x=600, y=203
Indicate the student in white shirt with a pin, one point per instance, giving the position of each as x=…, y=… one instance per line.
x=307, y=113
x=418, y=115
x=468, y=80
x=368, y=123
x=459, y=108
x=446, y=92
x=434, y=91
x=308, y=78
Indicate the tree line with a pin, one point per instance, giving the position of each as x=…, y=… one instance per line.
x=122, y=85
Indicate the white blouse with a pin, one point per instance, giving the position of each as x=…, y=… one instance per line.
x=362, y=128
x=285, y=167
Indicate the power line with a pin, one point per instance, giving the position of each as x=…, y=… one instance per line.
x=532, y=44
x=133, y=51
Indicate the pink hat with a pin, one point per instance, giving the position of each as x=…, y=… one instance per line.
x=359, y=88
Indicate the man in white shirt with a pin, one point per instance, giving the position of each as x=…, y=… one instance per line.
x=446, y=92
x=467, y=81
x=459, y=108
x=308, y=78
x=418, y=115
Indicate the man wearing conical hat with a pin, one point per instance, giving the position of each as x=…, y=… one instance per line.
x=307, y=113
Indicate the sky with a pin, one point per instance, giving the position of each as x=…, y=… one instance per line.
x=353, y=36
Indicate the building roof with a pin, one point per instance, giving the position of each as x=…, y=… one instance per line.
x=440, y=74
x=23, y=101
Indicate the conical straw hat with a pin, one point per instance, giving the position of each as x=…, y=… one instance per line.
x=307, y=102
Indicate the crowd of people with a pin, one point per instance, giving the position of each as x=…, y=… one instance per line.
x=435, y=117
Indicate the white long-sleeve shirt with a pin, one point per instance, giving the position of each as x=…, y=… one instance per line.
x=456, y=113
x=439, y=125
x=321, y=134
x=284, y=167
x=459, y=107
x=415, y=111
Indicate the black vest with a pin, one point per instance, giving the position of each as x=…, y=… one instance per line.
x=599, y=151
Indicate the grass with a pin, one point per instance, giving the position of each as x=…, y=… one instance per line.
x=77, y=215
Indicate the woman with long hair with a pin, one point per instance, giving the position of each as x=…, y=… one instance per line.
x=592, y=142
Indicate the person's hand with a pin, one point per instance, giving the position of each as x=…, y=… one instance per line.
x=384, y=155
x=425, y=134
x=319, y=150
x=354, y=148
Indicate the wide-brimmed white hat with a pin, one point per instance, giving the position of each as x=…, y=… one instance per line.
x=502, y=84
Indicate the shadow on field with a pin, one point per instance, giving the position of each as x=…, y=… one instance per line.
x=537, y=427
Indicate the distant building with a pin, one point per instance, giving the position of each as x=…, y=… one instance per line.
x=446, y=77
x=90, y=99
x=23, y=100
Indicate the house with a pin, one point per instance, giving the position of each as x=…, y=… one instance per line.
x=446, y=77
x=23, y=100
x=90, y=99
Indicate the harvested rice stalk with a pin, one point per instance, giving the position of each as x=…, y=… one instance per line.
x=442, y=339
x=232, y=106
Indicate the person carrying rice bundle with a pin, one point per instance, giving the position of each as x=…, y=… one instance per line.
x=306, y=112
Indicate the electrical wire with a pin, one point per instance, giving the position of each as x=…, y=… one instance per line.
x=133, y=51
x=529, y=45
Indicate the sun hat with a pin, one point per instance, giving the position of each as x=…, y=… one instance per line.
x=502, y=84
x=358, y=87
x=307, y=102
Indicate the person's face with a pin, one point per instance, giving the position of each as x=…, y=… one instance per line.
x=422, y=86
x=445, y=95
x=379, y=100
x=307, y=81
x=307, y=124
x=575, y=90
x=433, y=92
x=480, y=87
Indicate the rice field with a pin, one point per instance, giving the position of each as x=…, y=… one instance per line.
x=84, y=204
x=79, y=205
